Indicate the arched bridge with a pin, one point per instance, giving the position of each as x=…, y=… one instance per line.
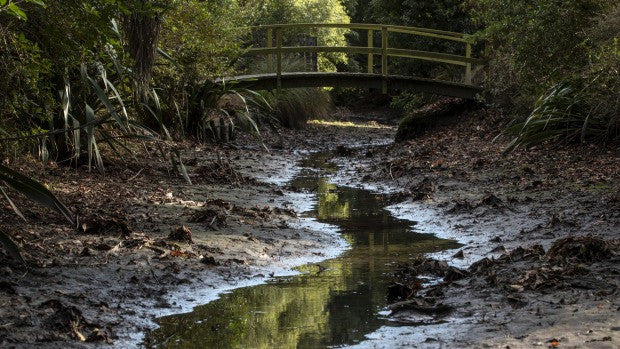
x=379, y=79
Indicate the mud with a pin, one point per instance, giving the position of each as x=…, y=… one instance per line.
x=132, y=261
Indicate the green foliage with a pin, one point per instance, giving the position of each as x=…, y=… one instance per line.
x=11, y=7
x=410, y=101
x=559, y=58
x=201, y=38
x=210, y=105
x=535, y=45
x=294, y=107
x=561, y=114
x=44, y=52
x=586, y=108
x=347, y=96
x=302, y=11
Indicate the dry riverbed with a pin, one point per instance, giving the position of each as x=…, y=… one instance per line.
x=150, y=245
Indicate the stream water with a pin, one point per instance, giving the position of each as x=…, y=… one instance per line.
x=330, y=304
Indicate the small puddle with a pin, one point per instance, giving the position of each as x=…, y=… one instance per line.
x=332, y=303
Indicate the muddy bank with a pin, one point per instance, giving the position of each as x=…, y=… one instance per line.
x=149, y=244
x=496, y=204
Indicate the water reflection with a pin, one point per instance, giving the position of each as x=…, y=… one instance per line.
x=321, y=307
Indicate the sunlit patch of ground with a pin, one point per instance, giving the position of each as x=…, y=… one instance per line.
x=369, y=124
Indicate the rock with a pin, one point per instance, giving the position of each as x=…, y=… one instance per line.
x=182, y=233
x=459, y=254
x=209, y=260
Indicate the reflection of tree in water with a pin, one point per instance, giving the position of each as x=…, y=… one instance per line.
x=274, y=315
x=330, y=205
x=316, y=309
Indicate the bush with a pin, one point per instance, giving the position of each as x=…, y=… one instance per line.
x=294, y=107
x=556, y=61
x=586, y=108
x=534, y=45
x=347, y=96
x=581, y=85
x=43, y=53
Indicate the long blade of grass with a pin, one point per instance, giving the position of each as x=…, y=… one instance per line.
x=64, y=103
x=175, y=157
x=98, y=158
x=90, y=132
x=108, y=104
x=15, y=209
x=34, y=191
x=76, y=138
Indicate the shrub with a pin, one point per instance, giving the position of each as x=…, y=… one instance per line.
x=534, y=45
x=294, y=107
x=586, y=108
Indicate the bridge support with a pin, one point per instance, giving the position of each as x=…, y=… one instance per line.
x=384, y=58
x=270, y=45
x=468, y=64
x=370, y=55
x=279, y=58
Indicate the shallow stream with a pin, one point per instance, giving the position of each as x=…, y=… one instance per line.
x=333, y=303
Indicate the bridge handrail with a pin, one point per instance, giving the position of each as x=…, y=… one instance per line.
x=384, y=51
x=440, y=34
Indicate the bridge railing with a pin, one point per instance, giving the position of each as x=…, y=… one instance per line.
x=384, y=51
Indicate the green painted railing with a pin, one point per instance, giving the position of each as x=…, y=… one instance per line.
x=384, y=51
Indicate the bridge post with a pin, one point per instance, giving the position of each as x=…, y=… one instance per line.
x=270, y=45
x=279, y=58
x=370, y=55
x=384, y=57
x=468, y=64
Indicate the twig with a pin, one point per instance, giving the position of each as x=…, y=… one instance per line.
x=134, y=176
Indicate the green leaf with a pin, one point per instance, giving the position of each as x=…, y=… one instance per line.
x=76, y=138
x=15, y=209
x=64, y=103
x=34, y=191
x=107, y=103
x=16, y=11
x=38, y=2
x=90, y=134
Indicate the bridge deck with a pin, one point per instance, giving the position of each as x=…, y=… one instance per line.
x=360, y=80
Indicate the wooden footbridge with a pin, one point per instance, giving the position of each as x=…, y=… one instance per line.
x=383, y=80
